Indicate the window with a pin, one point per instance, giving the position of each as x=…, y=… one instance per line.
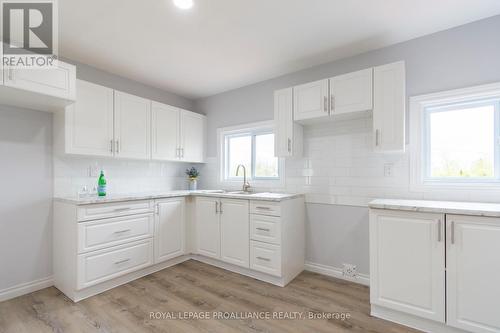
x=456, y=138
x=253, y=147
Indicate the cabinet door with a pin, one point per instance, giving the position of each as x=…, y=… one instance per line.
x=235, y=232
x=165, y=132
x=89, y=121
x=389, y=103
x=169, y=229
x=310, y=100
x=58, y=82
x=207, y=227
x=473, y=273
x=288, y=135
x=132, y=126
x=351, y=92
x=407, y=262
x=193, y=133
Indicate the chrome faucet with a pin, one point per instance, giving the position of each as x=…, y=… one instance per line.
x=246, y=185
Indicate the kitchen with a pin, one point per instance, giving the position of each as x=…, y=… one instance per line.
x=319, y=187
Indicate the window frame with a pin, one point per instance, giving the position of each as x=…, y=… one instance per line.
x=252, y=129
x=420, y=109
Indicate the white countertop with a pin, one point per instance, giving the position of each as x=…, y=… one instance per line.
x=443, y=207
x=264, y=196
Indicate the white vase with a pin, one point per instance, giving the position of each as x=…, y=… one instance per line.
x=193, y=184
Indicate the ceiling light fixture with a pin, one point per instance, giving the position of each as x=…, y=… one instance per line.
x=183, y=4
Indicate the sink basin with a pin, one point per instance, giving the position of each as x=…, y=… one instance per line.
x=241, y=192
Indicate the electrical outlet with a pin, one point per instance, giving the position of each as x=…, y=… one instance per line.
x=349, y=270
x=389, y=170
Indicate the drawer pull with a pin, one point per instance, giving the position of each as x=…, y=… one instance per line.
x=122, y=209
x=264, y=259
x=122, y=261
x=122, y=231
x=264, y=208
x=264, y=229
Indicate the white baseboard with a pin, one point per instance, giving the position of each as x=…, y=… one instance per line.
x=336, y=272
x=25, y=288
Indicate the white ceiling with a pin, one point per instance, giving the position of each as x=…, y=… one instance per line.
x=220, y=45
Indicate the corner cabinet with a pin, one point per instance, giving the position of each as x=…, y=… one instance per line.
x=170, y=229
x=109, y=123
x=177, y=134
x=435, y=272
x=288, y=138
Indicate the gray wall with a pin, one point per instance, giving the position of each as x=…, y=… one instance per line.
x=27, y=180
x=459, y=57
x=26, y=196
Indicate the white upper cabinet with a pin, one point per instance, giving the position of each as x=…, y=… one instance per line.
x=169, y=229
x=192, y=136
x=235, y=232
x=310, y=100
x=287, y=134
x=89, y=121
x=57, y=82
x=389, y=107
x=473, y=273
x=132, y=126
x=351, y=92
x=165, y=132
x=407, y=262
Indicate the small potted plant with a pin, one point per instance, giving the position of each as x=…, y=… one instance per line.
x=193, y=178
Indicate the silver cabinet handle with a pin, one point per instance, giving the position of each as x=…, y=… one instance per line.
x=117, y=147
x=122, y=261
x=263, y=229
x=264, y=208
x=289, y=145
x=452, y=232
x=11, y=74
x=182, y=151
x=111, y=145
x=264, y=259
x=377, y=135
x=439, y=231
x=325, y=104
x=216, y=207
x=177, y=152
x=122, y=231
x=220, y=207
x=332, y=103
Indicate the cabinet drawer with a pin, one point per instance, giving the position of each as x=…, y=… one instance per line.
x=101, y=211
x=265, y=258
x=95, y=235
x=103, y=265
x=265, y=228
x=265, y=208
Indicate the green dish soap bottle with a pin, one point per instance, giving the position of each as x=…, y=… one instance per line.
x=101, y=185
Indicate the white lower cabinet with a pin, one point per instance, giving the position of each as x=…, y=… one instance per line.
x=473, y=273
x=207, y=227
x=234, y=226
x=100, y=246
x=407, y=262
x=435, y=272
x=170, y=229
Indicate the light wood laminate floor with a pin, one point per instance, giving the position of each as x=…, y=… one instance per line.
x=195, y=289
